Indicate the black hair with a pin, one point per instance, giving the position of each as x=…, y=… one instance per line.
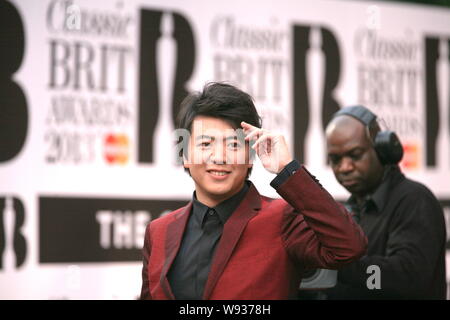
x=219, y=100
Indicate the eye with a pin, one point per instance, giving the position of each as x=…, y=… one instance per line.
x=204, y=144
x=334, y=159
x=234, y=145
x=356, y=155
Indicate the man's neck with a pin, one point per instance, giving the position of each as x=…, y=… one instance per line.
x=361, y=198
x=211, y=200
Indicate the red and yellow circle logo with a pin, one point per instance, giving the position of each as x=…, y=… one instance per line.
x=117, y=148
x=411, y=154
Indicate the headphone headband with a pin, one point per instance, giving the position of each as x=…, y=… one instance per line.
x=360, y=113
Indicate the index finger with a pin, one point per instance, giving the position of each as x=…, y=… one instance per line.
x=248, y=126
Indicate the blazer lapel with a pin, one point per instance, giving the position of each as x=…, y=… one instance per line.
x=232, y=231
x=174, y=235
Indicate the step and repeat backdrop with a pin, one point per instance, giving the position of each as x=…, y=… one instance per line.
x=89, y=91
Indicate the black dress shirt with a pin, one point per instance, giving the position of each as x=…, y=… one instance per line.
x=189, y=271
x=372, y=203
x=405, y=226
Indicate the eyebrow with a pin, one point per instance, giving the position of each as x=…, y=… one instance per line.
x=203, y=136
x=357, y=148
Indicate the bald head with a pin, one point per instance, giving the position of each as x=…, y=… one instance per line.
x=352, y=156
x=344, y=129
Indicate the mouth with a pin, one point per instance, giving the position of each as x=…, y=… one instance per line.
x=218, y=174
x=349, y=182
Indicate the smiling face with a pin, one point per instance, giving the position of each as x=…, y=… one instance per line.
x=352, y=157
x=218, y=160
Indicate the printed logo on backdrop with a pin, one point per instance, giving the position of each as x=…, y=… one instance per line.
x=13, y=132
x=316, y=73
x=96, y=229
x=404, y=78
x=89, y=112
x=14, y=109
x=13, y=244
x=437, y=99
x=389, y=72
x=255, y=58
x=91, y=116
x=166, y=63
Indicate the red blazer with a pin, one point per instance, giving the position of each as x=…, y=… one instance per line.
x=265, y=244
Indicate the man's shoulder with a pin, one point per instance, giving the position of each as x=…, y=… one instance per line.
x=169, y=216
x=272, y=201
x=411, y=190
x=410, y=187
x=411, y=199
x=275, y=205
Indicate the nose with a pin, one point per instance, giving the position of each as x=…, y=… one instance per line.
x=346, y=165
x=218, y=154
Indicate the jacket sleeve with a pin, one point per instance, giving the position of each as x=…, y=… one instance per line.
x=145, y=290
x=317, y=231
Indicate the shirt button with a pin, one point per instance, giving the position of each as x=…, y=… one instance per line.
x=211, y=212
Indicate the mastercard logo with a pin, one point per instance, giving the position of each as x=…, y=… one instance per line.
x=116, y=148
x=410, y=157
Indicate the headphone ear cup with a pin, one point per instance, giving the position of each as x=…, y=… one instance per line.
x=388, y=147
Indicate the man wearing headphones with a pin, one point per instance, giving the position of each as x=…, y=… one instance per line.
x=402, y=219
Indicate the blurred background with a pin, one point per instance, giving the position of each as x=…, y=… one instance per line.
x=89, y=91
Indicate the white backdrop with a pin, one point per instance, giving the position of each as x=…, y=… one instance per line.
x=90, y=92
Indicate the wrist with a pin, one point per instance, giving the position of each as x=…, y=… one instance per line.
x=286, y=172
x=283, y=164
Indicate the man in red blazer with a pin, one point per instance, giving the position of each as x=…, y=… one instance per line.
x=230, y=242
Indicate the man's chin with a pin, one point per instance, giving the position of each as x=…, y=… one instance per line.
x=353, y=189
x=218, y=192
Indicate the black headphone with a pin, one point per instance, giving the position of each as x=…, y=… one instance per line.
x=386, y=143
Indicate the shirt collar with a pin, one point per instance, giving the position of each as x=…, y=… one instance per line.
x=223, y=209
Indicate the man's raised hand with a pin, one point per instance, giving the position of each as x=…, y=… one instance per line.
x=271, y=148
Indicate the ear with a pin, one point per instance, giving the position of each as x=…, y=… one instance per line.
x=186, y=162
x=250, y=169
